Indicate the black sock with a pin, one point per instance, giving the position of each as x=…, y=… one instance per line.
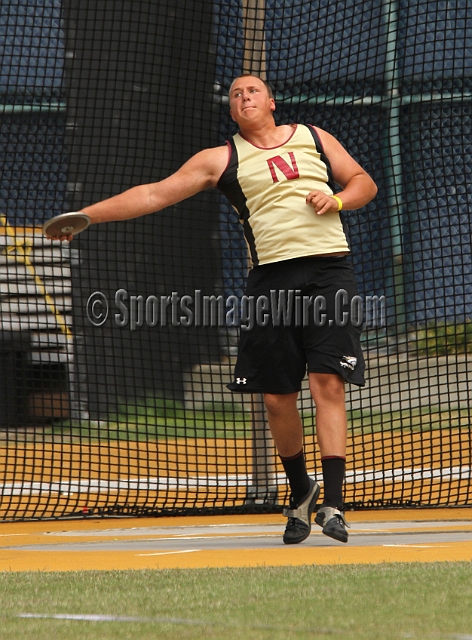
x=334, y=468
x=295, y=469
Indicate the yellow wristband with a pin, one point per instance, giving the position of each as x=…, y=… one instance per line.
x=339, y=201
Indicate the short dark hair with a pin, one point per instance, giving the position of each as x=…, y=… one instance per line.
x=254, y=75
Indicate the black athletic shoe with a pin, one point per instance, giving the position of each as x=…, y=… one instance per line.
x=299, y=517
x=333, y=522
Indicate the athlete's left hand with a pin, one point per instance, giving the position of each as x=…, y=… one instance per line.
x=321, y=202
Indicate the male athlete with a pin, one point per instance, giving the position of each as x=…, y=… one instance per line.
x=281, y=180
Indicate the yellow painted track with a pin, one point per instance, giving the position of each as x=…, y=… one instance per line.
x=43, y=546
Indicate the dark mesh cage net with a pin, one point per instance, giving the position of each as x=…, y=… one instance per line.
x=116, y=348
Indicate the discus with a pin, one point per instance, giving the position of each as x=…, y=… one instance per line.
x=66, y=224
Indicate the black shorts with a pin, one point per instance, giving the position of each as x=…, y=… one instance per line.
x=297, y=316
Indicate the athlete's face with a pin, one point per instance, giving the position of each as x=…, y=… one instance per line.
x=249, y=100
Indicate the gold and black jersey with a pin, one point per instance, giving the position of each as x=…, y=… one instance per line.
x=268, y=188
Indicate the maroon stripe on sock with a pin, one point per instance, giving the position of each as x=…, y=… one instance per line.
x=297, y=455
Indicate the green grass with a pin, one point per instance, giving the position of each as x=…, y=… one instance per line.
x=416, y=420
x=443, y=338
x=154, y=418
x=381, y=602
x=171, y=419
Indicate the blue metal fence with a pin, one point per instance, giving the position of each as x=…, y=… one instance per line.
x=392, y=80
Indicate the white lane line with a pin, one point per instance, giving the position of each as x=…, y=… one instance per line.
x=419, y=546
x=167, y=553
x=98, y=485
x=226, y=536
x=97, y=617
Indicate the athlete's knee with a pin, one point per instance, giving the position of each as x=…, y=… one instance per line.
x=327, y=387
x=278, y=403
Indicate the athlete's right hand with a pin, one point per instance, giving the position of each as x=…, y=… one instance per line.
x=322, y=202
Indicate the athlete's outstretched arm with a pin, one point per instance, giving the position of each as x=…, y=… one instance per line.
x=201, y=172
x=358, y=188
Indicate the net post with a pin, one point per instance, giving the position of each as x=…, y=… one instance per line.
x=254, y=37
x=77, y=381
x=393, y=154
x=263, y=489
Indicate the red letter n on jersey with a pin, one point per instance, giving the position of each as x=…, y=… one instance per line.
x=290, y=172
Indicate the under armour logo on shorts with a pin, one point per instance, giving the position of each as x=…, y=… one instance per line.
x=241, y=380
x=348, y=362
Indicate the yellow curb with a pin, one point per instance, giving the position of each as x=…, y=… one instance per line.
x=14, y=560
x=26, y=540
x=20, y=534
x=88, y=524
